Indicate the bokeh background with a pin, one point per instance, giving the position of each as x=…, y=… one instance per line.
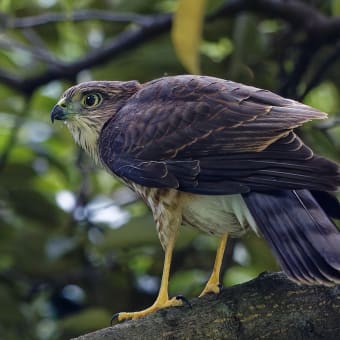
x=75, y=245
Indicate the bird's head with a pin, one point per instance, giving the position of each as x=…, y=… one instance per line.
x=86, y=107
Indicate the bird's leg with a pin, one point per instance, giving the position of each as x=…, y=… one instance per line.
x=213, y=284
x=162, y=300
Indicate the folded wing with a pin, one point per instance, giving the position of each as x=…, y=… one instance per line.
x=211, y=136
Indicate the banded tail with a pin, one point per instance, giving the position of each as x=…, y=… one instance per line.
x=304, y=240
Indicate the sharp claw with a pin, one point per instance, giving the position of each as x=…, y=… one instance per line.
x=114, y=318
x=220, y=286
x=118, y=317
x=184, y=299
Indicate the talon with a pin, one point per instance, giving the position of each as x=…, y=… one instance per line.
x=162, y=300
x=159, y=304
x=220, y=286
x=213, y=285
x=214, y=288
x=185, y=300
x=115, y=317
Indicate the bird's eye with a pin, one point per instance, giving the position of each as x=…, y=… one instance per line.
x=91, y=100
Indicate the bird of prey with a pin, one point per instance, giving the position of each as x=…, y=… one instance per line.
x=219, y=156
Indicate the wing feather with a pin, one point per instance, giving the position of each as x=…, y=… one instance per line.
x=212, y=136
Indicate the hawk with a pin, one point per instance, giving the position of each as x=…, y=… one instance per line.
x=219, y=156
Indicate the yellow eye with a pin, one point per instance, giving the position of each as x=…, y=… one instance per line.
x=91, y=100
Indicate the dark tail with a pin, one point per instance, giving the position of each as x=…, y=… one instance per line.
x=304, y=240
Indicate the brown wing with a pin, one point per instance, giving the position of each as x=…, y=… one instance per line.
x=212, y=136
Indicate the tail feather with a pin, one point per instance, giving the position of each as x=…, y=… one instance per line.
x=303, y=238
x=324, y=236
x=328, y=203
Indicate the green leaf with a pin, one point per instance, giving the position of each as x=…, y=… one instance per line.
x=187, y=31
x=238, y=274
x=5, y=5
x=324, y=97
x=86, y=321
x=218, y=50
x=336, y=7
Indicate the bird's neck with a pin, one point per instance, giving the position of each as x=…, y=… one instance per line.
x=87, y=138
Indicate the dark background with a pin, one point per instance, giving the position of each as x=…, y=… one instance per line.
x=75, y=245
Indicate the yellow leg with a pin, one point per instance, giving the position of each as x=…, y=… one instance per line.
x=162, y=300
x=213, y=284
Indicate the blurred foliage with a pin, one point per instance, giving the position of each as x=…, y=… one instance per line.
x=75, y=245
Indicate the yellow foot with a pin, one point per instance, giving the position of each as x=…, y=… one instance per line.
x=175, y=301
x=211, y=288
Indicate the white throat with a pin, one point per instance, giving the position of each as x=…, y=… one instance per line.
x=86, y=137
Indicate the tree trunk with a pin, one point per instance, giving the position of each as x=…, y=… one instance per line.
x=269, y=307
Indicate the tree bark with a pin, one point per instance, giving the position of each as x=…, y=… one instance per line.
x=268, y=307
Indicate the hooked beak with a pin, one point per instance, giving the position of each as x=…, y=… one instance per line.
x=59, y=111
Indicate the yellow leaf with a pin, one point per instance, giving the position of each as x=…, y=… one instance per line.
x=186, y=32
x=336, y=7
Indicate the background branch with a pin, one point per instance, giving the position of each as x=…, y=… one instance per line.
x=319, y=29
x=126, y=40
x=333, y=56
x=81, y=15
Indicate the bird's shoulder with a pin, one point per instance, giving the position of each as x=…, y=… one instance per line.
x=171, y=114
x=179, y=101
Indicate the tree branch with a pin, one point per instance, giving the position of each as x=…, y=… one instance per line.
x=37, y=52
x=322, y=69
x=269, y=307
x=12, y=139
x=303, y=60
x=319, y=29
x=81, y=15
x=126, y=40
x=297, y=13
